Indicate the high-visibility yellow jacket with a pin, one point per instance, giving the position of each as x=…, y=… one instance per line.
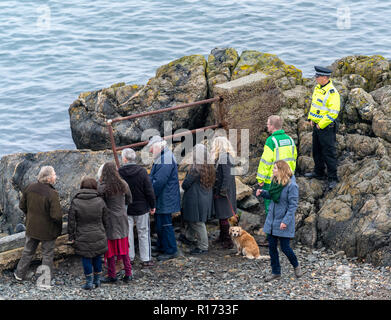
x=279, y=146
x=325, y=105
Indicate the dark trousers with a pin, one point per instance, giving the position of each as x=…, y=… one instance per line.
x=92, y=265
x=285, y=248
x=166, y=241
x=324, y=152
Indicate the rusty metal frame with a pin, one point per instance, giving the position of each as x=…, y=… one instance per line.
x=149, y=113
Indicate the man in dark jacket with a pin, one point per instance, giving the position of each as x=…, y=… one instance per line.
x=164, y=177
x=143, y=204
x=41, y=205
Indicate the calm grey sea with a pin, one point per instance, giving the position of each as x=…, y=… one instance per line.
x=50, y=51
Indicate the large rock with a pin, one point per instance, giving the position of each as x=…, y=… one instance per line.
x=180, y=81
x=381, y=122
x=19, y=170
x=359, y=107
x=252, y=61
x=221, y=63
x=247, y=103
x=374, y=69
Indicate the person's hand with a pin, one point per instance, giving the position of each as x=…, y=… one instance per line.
x=312, y=124
x=282, y=226
x=152, y=211
x=223, y=193
x=70, y=242
x=317, y=126
x=261, y=184
x=258, y=193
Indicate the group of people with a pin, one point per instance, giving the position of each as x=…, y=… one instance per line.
x=103, y=212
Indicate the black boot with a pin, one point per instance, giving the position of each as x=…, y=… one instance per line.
x=109, y=280
x=314, y=175
x=88, y=285
x=227, y=241
x=97, y=279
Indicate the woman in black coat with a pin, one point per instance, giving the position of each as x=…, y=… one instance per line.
x=224, y=190
x=197, y=199
x=87, y=223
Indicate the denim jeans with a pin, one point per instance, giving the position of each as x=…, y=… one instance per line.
x=285, y=248
x=166, y=241
x=90, y=264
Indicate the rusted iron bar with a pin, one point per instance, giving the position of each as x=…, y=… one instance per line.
x=113, y=146
x=143, y=143
x=181, y=106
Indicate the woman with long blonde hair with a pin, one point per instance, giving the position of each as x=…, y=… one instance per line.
x=224, y=190
x=280, y=222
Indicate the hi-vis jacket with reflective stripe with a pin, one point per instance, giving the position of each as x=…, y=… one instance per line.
x=325, y=105
x=279, y=146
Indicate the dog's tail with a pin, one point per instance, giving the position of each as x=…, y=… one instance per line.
x=263, y=257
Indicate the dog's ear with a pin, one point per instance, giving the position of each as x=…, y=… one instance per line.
x=240, y=231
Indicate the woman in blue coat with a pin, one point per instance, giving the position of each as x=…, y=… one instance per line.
x=280, y=222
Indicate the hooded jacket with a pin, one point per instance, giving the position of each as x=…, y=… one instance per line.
x=141, y=188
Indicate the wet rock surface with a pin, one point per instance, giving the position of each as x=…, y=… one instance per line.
x=220, y=274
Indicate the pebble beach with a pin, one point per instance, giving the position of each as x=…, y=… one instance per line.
x=217, y=275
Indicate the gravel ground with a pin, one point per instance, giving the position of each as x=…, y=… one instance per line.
x=220, y=274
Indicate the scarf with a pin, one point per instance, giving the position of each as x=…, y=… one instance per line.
x=275, y=191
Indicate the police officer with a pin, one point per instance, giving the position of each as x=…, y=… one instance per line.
x=323, y=114
x=278, y=146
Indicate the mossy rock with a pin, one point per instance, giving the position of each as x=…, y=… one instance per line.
x=221, y=63
x=359, y=107
x=180, y=81
x=375, y=69
x=252, y=61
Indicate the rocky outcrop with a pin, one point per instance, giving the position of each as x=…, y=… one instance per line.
x=354, y=217
x=221, y=63
x=19, y=170
x=369, y=73
x=181, y=81
x=252, y=61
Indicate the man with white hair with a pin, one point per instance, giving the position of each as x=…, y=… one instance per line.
x=41, y=204
x=164, y=177
x=143, y=204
